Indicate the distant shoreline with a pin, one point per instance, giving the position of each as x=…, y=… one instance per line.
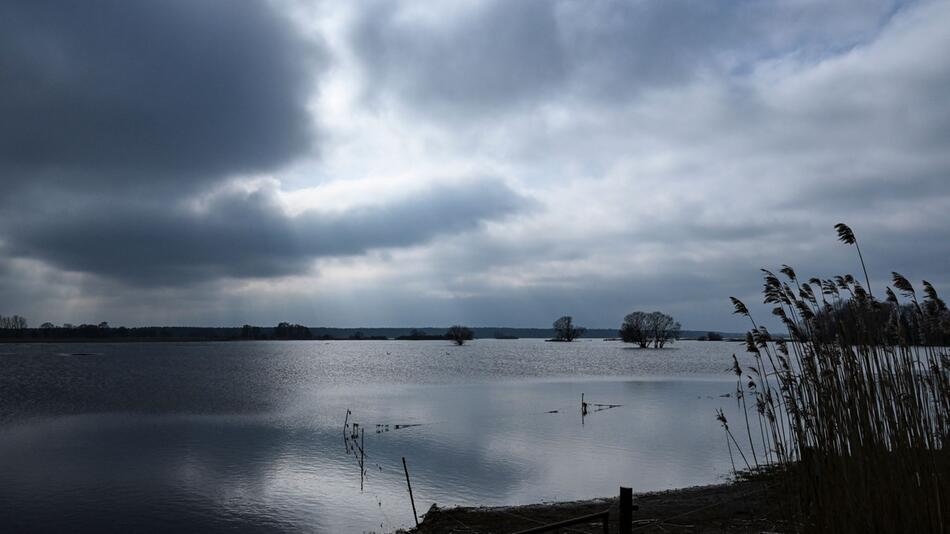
x=285, y=332
x=38, y=340
x=31, y=340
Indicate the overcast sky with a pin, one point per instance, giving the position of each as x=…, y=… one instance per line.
x=210, y=162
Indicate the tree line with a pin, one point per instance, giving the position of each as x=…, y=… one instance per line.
x=14, y=322
x=644, y=329
x=15, y=327
x=456, y=333
x=11, y=328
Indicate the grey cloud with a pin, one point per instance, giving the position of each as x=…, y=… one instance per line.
x=502, y=54
x=620, y=46
x=244, y=234
x=696, y=144
x=598, y=302
x=127, y=92
x=695, y=292
x=496, y=53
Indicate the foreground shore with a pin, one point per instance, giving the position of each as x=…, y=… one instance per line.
x=736, y=507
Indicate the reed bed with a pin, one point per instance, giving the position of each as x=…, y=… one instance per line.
x=850, y=409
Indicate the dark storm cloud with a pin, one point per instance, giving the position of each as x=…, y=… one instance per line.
x=131, y=92
x=245, y=234
x=118, y=115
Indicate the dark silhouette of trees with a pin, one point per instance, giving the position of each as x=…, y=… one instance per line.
x=252, y=332
x=633, y=329
x=711, y=336
x=292, y=331
x=663, y=328
x=923, y=323
x=564, y=329
x=460, y=334
x=13, y=326
x=649, y=328
x=14, y=322
x=420, y=335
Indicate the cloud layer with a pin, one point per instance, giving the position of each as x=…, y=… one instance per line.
x=108, y=93
x=487, y=162
x=246, y=233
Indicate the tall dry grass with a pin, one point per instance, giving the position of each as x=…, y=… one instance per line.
x=852, y=406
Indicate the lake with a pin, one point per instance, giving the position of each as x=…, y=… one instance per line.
x=248, y=436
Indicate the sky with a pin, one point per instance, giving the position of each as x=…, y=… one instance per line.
x=490, y=163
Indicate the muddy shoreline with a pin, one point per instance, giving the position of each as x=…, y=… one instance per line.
x=742, y=507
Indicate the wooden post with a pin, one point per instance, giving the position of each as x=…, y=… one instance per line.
x=362, y=456
x=626, y=510
x=583, y=409
x=411, y=499
x=346, y=424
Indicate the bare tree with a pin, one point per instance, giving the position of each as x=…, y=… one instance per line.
x=645, y=328
x=12, y=323
x=663, y=328
x=564, y=329
x=460, y=334
x=634, y=329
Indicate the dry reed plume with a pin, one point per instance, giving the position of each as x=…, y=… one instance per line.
x=851, y=409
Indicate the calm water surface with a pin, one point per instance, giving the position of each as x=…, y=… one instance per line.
x=248, y=437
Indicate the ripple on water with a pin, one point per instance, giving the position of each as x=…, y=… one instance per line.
x=217, y=436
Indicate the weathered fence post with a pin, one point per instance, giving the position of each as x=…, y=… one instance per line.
x=346, y=424
x=411, y=499
x=626, y=510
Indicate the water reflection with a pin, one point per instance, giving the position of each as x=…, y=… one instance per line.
x=275, y=460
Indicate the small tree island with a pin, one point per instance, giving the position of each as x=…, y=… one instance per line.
x=644, y=328
x=564, y=329
x=460, y=334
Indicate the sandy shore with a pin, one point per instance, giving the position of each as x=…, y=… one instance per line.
x=736, y=507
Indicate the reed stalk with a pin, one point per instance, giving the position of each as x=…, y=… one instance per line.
x=853, y=402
